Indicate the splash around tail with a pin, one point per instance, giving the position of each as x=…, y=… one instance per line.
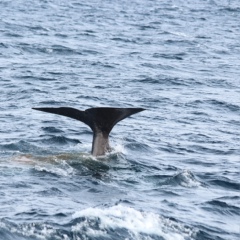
x=100, y=120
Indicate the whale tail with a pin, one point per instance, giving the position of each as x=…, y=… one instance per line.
x=100, y=120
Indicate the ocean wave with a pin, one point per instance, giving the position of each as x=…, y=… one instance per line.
x=184, y=178
x=54, y=170
x=52, y=130
x=29, y=231
x=130, y=144
x=22, y=147
x=225, y=183
x=117, y=222
x=54, y=49
x=120, y=222
x=60, y=140
x=216, y=104
x=221, y=207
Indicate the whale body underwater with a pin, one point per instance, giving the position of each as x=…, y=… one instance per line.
x=101, y=120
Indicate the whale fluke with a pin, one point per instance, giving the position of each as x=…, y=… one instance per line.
x=100, y=120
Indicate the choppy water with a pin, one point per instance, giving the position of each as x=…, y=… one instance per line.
x=174, y=170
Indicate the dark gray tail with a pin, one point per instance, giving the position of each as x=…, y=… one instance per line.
x=100, y=120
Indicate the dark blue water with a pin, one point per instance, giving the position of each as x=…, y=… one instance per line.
x=174, y=169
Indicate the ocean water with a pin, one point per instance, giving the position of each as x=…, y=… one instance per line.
x=174, y=172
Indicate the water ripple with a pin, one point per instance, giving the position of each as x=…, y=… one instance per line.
x=172, y=166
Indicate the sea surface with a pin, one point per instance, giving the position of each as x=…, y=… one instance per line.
x=174, y=169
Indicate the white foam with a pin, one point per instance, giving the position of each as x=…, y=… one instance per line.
x=187, y=179
x=134, y=221
x=118, y=147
